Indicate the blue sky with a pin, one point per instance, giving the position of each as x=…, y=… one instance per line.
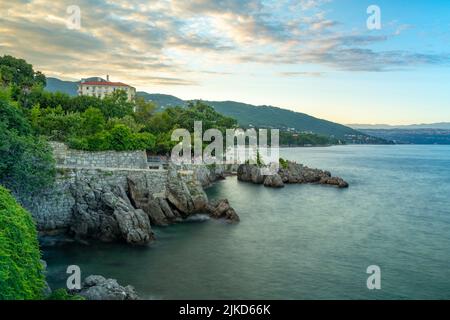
x=312, y=56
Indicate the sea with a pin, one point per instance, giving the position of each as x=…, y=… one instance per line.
x=385, y=237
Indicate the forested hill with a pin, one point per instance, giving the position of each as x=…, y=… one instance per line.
x=271, y=117
x=249, y=115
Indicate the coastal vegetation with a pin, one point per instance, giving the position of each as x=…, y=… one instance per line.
x=21, y=273
x=26, y=162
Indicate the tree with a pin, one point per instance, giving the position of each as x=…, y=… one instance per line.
x=93, y=121
x=19, y=73
x=144, y=110
x=26, y=162
x=21, y=274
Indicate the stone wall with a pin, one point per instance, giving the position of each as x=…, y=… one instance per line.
x=53, y=209
x=66, y=157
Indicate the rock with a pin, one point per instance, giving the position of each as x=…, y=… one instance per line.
x=97, y=287
x=222, y=209
x=291, y=173
x=273, y=181
x=158, y=211
x=178, y=193
x=188, y=197
x=250, y=173
x=335, y=181
x=99, y=213
x=168, y=212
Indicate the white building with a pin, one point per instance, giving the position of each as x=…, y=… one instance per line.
x=98, y=87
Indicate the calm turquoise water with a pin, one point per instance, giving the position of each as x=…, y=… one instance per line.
x=304, y=241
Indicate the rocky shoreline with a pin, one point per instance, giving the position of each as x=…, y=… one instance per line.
x=109, y=213
x=91, y=202
x=289, y=173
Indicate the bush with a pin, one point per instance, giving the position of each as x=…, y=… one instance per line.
x=55, y=124
x=26, y=161
x=21, y=274
x=283, y=163
x=144, y=141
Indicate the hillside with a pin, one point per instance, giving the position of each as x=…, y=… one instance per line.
x=412, y=136
x=250, y=115
x=69, y=87
x=162, y=100
x=272, y=117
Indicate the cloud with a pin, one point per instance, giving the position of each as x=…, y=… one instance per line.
x=300, y=74
x=183, y=42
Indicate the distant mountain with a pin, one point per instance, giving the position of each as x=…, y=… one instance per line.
x=162, y=100
x=412, y=136
x=69, y=87
x=250, y=115
x=267, y=117
x=273, y=117
x=438, y=125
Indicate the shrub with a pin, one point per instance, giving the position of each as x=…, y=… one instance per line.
x=283, y=163
x=121, y=138
x=21, y=274
x=26, y=162
x=100, y=141
x=144, y=141
x=93, y=121
x=54, y=124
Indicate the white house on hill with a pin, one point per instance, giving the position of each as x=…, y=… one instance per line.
x=98, y=87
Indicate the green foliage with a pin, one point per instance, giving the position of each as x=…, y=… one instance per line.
x=21, y=274
x=128, y=121
x=93, y=121
x=259, y=160
x=54, y=123
x=143, y=111
x=26, y=163
x=283, y=163
x=11, y=115
x=162, y=124
x=122, y=138
x=304, y=139
x=62, y=294
x=119, y=138
x=18, y=73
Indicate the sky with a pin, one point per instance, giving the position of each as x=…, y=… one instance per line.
x=313, y=56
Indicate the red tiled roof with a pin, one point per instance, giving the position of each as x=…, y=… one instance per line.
x=104, y=83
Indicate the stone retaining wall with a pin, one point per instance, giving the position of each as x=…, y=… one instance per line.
x=66, y=157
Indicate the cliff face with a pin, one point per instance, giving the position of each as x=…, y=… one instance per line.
x=94, y=197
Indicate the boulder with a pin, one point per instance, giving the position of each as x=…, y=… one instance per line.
x=291, y=172
x=334, y=181
x=142, y=199
x=221, y=209
x=99, y=213
x=188, y=197
x=250, y=173
x=177, y=192
x=97, y=287
x=273, y=181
